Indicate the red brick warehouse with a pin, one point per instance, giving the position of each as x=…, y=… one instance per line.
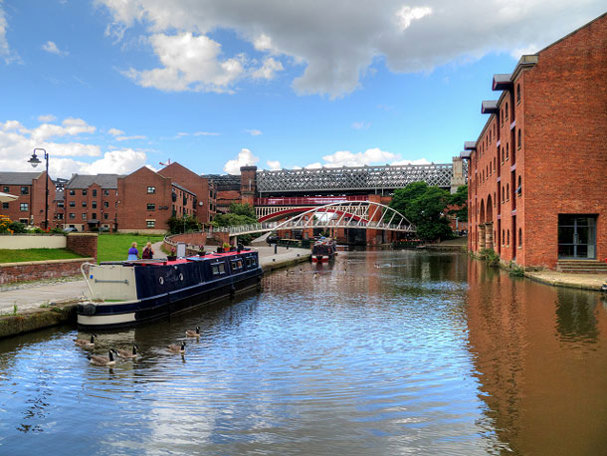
x=537, y=174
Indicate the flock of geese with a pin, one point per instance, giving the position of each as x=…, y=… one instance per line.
x=113, y=354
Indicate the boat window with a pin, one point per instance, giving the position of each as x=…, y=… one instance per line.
x=218, y=268
x=236, y=264
x=251, y=263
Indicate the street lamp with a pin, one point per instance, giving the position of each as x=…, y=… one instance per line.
x=35, y=161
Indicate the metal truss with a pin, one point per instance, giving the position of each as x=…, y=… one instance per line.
x=335, y=215
x=368, y=178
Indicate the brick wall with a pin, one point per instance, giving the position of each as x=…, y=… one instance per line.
x=84, y=244
x=40, y=270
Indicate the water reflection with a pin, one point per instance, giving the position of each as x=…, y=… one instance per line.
x=538, y=352
x=377, y=353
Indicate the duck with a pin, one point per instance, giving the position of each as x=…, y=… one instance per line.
x=193, y=332
x=86, y=343
x=99, y=360
x=129, y=354
x=179, y=349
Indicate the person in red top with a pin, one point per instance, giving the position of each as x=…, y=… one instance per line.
x=147, y=253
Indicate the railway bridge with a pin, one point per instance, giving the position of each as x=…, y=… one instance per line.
x=281, y=195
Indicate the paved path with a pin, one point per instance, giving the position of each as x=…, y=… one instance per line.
x=33, y=295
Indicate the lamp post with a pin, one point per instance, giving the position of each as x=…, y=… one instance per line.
x=35, y=161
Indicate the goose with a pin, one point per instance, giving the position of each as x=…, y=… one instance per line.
x=180, y=349
x=193, y=333
x=85, y=343
x=129, y=354
x=98, y=360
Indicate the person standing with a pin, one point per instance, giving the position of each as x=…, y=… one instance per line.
x=133, y=252
x=147, y=253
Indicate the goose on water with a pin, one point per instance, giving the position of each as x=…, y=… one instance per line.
x=193, y=332
x=179, y=349
x=128, y=354
x=99, y=360
x=86, y=343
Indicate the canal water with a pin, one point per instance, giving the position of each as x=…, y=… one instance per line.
x=382, y=353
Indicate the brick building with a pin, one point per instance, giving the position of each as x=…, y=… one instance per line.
x=202, y=188
x=30, y=187
x=537, y=186
x=89, y=202
x=148, y=199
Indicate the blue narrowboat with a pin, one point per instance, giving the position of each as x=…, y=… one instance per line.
x=132, y=292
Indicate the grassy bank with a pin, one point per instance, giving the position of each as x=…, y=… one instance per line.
x=20, y=256
x=115, y=247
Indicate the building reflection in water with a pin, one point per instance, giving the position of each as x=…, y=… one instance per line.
x=536, y=349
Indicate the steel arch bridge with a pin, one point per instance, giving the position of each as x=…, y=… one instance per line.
x=359, y=214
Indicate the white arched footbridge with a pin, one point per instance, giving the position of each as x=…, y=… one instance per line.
x=356, y=214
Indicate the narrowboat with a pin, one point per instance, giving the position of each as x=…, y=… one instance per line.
x=324, y=250
x=133, y=292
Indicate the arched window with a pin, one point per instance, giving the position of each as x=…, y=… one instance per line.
x=508, y=237
x=494, y=201
x=503, y=238
x=495, y=164
x=520, y=237
x=506, y=111
x=507, y=192
x=519, y=140
x=507, y=151
x=503, y=194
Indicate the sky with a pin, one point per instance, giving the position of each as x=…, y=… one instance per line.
x=108, y=86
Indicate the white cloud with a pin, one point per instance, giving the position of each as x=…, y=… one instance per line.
x=6, y=53
x=368, y=157
x=17, y=143
x=189, y=63
x=406, y=15
x=273, y=165
x=268, y=69
x=47, y=118
x=206, y=133
x=245, y=158
x=115, y=132
x=361, y=125
x=254, y=132
x=128, y=138
x=69, y=127
x=52, y=48
x=337, y=42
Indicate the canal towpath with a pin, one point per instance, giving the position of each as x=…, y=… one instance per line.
x=50, y=296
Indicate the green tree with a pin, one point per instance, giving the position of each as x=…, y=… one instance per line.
x=183, y=224
x=240, y=214
x=460, y=199
x=424, y=206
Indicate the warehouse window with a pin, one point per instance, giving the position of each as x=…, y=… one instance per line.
x=151, y=189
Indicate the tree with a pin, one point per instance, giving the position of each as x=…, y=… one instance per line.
x=183, y=224
x=460, y=200
x=424, y=206
x=240, y=214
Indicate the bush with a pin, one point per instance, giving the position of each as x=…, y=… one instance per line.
x=490, y=257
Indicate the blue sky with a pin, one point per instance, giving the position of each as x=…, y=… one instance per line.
x=112, y=85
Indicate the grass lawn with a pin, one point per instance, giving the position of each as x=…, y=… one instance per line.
x=19, y=256
x=115, y=247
